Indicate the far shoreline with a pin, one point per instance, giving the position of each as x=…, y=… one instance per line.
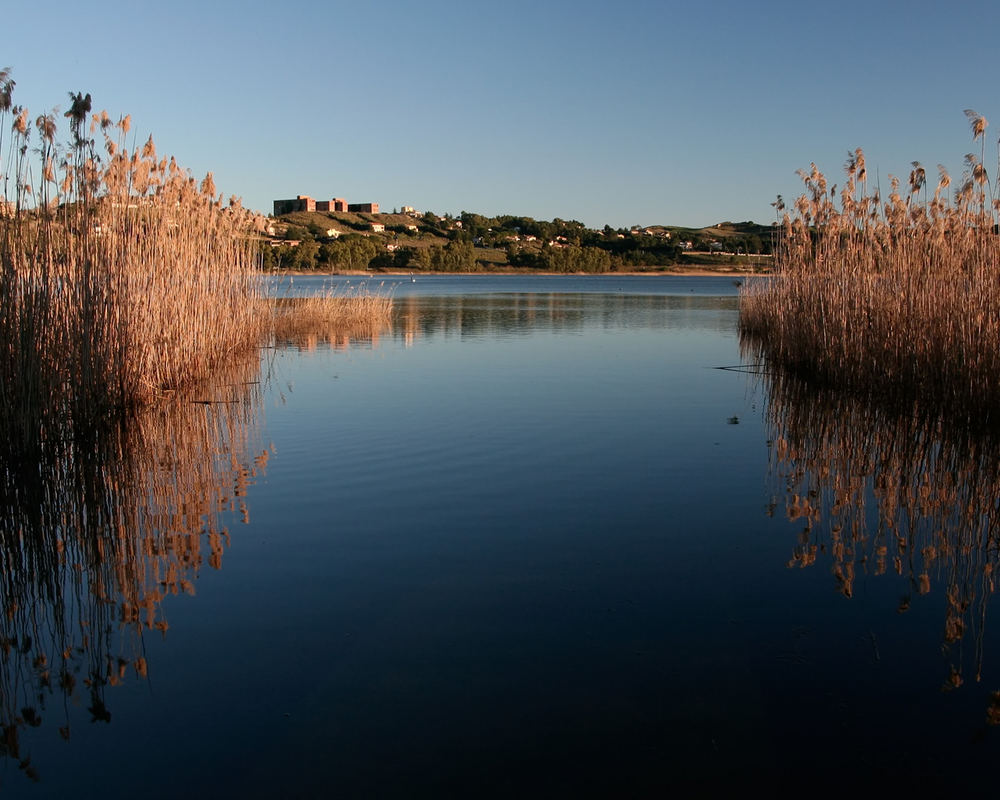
x=683, y=272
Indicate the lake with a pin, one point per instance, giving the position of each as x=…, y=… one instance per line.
x=546, y=536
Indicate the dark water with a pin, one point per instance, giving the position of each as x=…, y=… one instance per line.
x=532, y=541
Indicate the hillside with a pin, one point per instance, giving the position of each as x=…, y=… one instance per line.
x=332, y=241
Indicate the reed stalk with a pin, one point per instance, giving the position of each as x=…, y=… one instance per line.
x=333, y=315
x=897, y=296
x=123, y=281
x=121, y=277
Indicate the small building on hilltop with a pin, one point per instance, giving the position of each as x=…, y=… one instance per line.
x=304, y=202
x=336, y=204
x=301, y=203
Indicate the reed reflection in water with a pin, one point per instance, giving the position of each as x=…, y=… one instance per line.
x=883, y=491
x=524, y=314
x=516, y=314
x=95, y=535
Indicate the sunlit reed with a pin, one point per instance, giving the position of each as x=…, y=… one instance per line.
x=894, y=295
x=125, y=286
x=122, y=277
x=331, y=315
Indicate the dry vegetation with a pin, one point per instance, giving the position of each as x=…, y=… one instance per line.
x=899, y=297
x=122, y=281
x=357, y=313
x=122, y=278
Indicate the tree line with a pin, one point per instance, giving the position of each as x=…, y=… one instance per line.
x=457, y=244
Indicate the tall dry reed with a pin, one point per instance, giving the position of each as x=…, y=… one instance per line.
x=122, y=280
x=121, y=276
x=898, y=295
x=333, y=315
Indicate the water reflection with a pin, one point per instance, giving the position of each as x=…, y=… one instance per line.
x=334, y=339
x=95, y=535
x=879, y=491
x=498, y=315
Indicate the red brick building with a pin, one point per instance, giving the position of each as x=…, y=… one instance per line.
x=301, y=203
x=336, y=204
x=305, y=203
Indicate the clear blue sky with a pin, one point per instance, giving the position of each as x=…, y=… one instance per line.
x=619, y=113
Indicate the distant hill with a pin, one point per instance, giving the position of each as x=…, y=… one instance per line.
x=723, y=231
x=340, y=240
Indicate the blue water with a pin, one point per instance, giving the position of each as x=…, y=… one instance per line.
x=518, y=546
x=418, y=284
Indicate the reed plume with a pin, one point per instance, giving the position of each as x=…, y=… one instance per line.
x=122, y=278
x=893, y=297
x=118, y=282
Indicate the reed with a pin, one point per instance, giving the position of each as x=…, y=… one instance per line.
x=121, y=276
x=898, y=296
x=351, y=313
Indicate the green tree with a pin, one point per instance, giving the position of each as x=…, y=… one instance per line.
x=350, y=253
x=268, y=261
x=453, y=257
x=304, y=255
x=283, y=257
x=475, y=225
x=418, y=258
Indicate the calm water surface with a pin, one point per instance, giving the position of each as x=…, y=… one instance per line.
x=545, y=537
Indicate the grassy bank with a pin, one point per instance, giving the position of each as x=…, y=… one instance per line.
x=897, y=296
